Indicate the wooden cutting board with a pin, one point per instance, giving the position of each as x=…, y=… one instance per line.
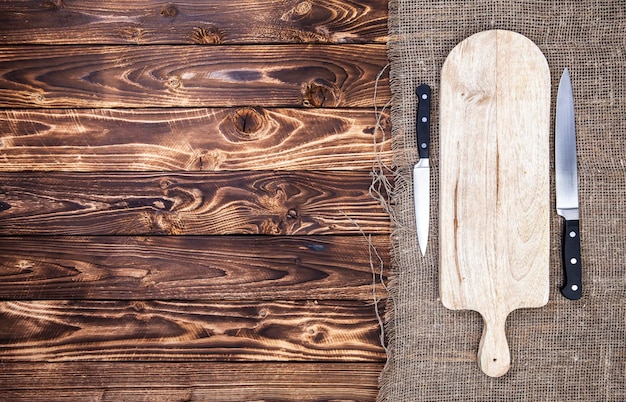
x=494, y=184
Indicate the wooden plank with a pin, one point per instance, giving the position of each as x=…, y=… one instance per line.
x=122, y=381
x=190, y=268
x=191, y=139
x=129, y=203
x=191, y=76
x=186, y=22
x=58, y=331
x=262, y=202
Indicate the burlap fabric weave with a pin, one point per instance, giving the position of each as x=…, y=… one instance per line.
x=568, y=350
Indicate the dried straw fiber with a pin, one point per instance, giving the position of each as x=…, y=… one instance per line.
x=568, y=350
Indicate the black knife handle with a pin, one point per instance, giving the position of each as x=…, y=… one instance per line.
x=573, y=287
x=423, y=120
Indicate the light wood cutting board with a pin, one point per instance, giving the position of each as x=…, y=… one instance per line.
x=494, y=184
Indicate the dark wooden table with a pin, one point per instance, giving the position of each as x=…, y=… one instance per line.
x=184, y=198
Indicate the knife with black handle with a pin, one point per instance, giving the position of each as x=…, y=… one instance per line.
x=567, y=187
x=421, y=171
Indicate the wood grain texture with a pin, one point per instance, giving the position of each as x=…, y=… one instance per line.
x=206, y=381
x=190, y=268
x=191, y=76
x=494, y=183
x=58, y=331
x=137, y=184
x=275, y=203
x=192, y=22
x=247, y=138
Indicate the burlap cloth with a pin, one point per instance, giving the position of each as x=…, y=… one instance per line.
x=568, y=350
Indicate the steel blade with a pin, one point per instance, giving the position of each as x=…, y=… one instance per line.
x=565, y=151
x=421, y=194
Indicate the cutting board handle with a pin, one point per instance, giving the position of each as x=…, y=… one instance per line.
x=494, y=357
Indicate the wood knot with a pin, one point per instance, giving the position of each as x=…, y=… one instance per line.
x=269, y=227
x=174, y=83
x=4, y=206
x=316, y=334
x=164, y=184
x=53, y=4
x=255, y=124
x=133, y=34
x=321, y=93
x=212, y=160
x=138, y=306
x=207, y=36
x=38, y=98
x=299, y=36
x=169, y=10
x=246, y=124
x=248, y=120
x=298, y=12
x=163, y=223
x=303, y=8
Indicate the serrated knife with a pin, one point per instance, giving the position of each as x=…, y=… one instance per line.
x=567, y=187
x=421, y=171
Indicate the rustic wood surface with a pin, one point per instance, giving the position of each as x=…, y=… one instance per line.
x=191, y=76
x=208, y=381
x=494, y=206
x=192, y=22
x=189, y=267
x=188, y=331
x=246, y=138
x=259, y=202
x=190, y=219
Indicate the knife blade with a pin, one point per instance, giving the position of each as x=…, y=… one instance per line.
x=421, y=171
x=567, y=187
